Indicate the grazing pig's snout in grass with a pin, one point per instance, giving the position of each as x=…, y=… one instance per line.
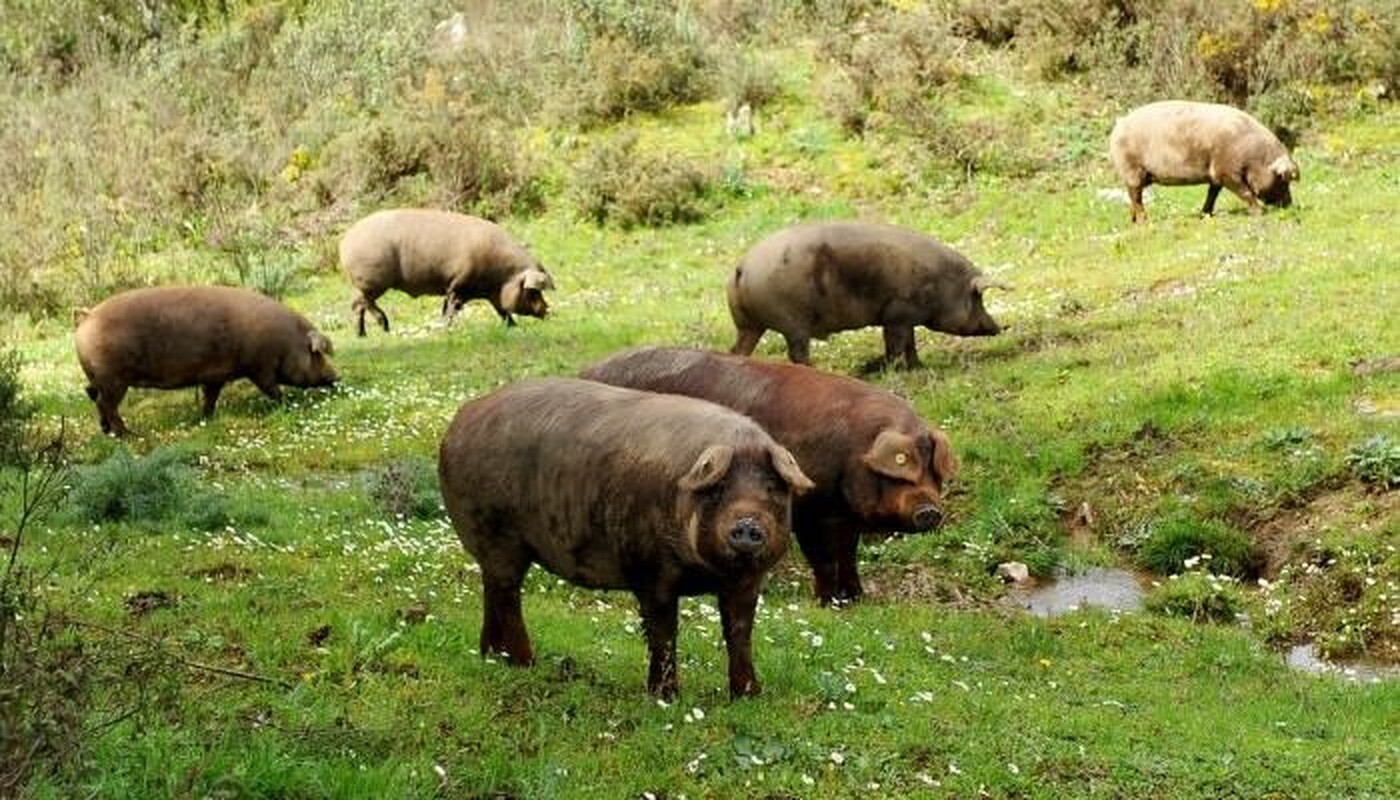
x=928, y=517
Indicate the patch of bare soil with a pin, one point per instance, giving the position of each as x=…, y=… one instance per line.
x=223, y=572
x=143, y=603
x=1283, y=535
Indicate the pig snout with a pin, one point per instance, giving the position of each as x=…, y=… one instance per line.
x=927, y=517
x=747, y=536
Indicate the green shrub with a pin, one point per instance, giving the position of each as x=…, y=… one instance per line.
x=637, y=57
x=1237, y=51
x=617, y=184
x=889, y=65
x=275, y=274
x=747, y=81
x=147, y=490
x=1197, y=596
x=407, y=488
x=1376, y=461
x=1178, y=538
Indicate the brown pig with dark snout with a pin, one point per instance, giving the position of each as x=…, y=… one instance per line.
x=611, y=488
x=424, y=251
x=206, y=336
x=814, y=279
x=877, y=467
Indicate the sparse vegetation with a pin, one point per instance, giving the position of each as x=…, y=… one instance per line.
x=407, y=488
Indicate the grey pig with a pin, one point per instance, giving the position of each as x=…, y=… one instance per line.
x=814, y=279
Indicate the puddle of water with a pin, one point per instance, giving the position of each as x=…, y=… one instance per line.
x=1305, y=658
x=1113, y=589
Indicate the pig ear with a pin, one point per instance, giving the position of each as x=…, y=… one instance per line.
x=318, y=343
x=510, y=293
x=894, y=455
x=945, y=464
x=537, y=279
x=788, y=468
x=981, y=283
x=1286, y=168
x=710, y=468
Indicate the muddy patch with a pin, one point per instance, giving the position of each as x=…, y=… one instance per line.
x=1305, y=658
x=1106, y=588
x=142, y=603
x=1283, y=537
x=223, y=572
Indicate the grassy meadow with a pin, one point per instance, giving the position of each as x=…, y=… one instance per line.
x=272, y=603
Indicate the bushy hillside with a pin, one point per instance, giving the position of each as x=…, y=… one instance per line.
x=271, y=603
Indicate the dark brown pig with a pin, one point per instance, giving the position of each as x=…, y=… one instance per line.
x=814, y=279
x=424, y=251
x=206, y=336
x=1175, y=142
x=615, y=489
x=877, y=467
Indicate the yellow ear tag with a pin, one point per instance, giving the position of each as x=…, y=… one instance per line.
x=900, y=459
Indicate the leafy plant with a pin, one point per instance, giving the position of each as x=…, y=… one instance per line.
x=145, y=490
x=406, y=488
x=1376, y=461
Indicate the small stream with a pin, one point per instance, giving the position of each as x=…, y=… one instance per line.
x=1119, y=590
x=1100, y=587
x=1305, y=658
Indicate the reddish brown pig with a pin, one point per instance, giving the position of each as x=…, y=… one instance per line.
x=814, y=279
x=425, y=251
x=877, y=466
x=616, y=489
x=206, y=336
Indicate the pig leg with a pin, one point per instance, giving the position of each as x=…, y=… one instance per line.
x=799, y=349
x=816, y=548
x=1136, y=209
x=736, y=611
x=267, y=384
x=364, y=301
x=1242, y=190
x=747, y=341
x=659, y=616
x=1211, y=193
x=503, y=624
x=899, y=344
x=211, y=396
x=107, y=399
x=504, y=314
x=848, y=588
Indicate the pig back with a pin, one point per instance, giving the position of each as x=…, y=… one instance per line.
x=584, y=474
x=820, y=278
x=169, y=337
x=821, y=418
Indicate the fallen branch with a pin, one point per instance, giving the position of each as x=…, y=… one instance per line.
x=157, y=644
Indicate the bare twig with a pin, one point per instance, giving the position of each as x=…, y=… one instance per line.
x=157, y=644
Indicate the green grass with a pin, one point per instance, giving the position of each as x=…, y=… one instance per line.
x=1153, y=372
